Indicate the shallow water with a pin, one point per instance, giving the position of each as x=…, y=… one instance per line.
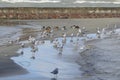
x=47, y=59
x=60, y=3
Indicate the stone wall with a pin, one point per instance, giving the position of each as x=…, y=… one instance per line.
x=58, y=13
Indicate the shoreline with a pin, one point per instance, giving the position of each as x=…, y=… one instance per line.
x=10, y=51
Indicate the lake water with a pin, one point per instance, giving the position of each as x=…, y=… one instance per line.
x=59, y=3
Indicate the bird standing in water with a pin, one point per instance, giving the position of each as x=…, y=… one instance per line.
x=55, y=72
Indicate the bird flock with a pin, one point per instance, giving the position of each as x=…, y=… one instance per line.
x=33, y=42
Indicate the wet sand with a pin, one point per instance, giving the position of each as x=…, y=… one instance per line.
x=101, y=62
x=8, y=67
x=90, y=24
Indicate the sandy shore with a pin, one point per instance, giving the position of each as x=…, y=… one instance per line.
x=7, y=66
x=90, y=24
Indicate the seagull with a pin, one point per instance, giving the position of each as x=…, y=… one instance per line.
x=21, y=52
x=22, y=45
x=55, y=72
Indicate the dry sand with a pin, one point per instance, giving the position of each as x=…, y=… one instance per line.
x=8, y=67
